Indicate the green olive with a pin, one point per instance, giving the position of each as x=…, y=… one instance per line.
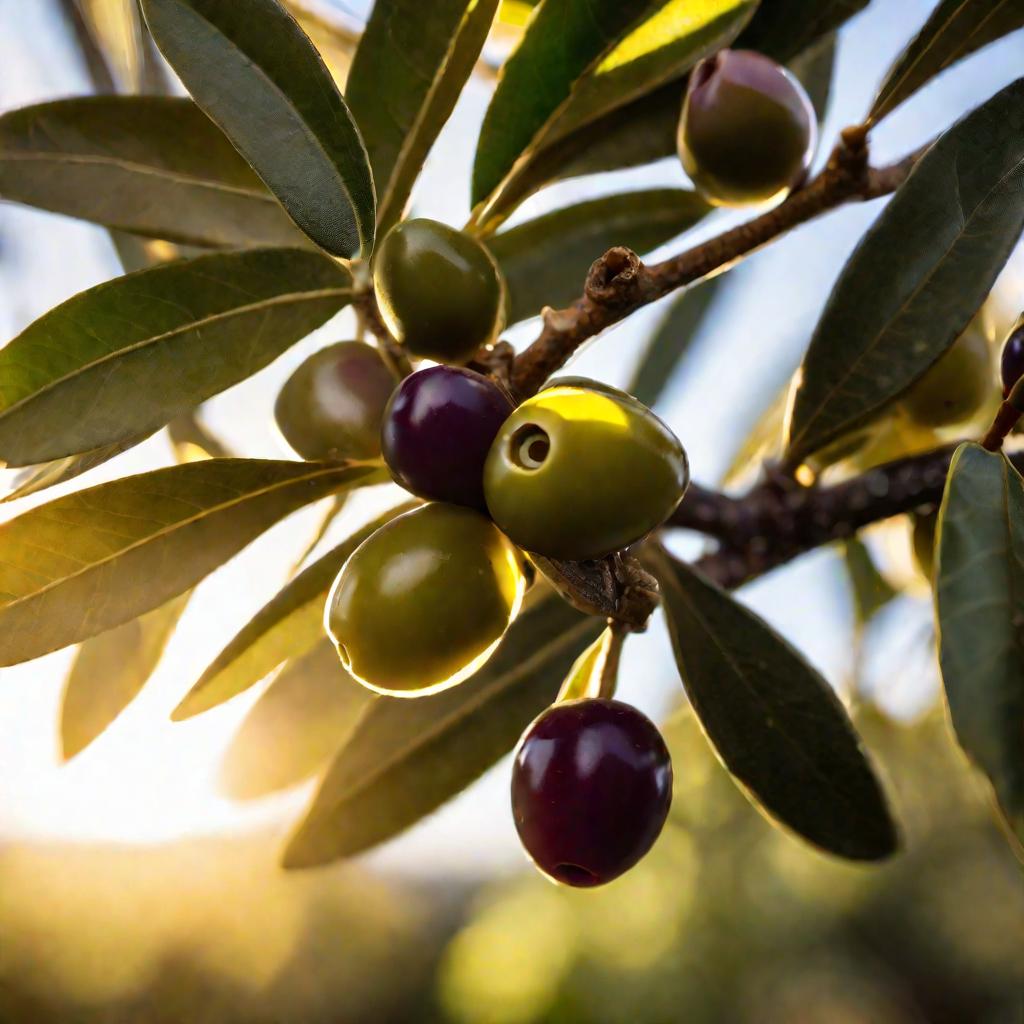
x=333, y=404
x=422, y=603
x=957, y=386
x=439, y=290
x=581, y=470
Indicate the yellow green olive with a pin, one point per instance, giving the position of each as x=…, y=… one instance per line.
x=581, y=470
x=957, y=386
x=422, y=603
x=333, y=404
x=439, y=290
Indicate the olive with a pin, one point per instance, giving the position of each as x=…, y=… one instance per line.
x=957, y=386
x=748, y=131
x=438, y=428
x=422, y=603
x=333, y=404
x=439, y=290
x=591, y=789
x=581, y=470
x=1011, y=362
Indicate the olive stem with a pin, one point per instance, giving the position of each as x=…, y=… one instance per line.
x=1006, y=418
x=619, y=283
x=763, y=529
x=609, y=675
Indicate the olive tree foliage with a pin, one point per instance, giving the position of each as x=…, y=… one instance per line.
x=272, y=185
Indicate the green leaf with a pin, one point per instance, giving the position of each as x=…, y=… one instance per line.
x=815, y=68
x=122, y=359
x=302, y=719
x=114, y=27
x=108, y=672
x=257, y=75
x=782, y=29
x=191, y=439
x=672, y=340
x=94, y=559
x=407, y=757
x=49, y=474
x=979, y=600
x=580, y=59
x=545, y=260
x=918, y=275
x=776, y=724
x=583, y=679
x=151, y=165
x=406, y=78
x=956, y=29
x=287, y=626
x=871, y=591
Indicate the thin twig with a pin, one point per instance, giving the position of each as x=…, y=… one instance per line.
x=618, y=283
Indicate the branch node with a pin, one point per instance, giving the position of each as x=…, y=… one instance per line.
x=614, y=278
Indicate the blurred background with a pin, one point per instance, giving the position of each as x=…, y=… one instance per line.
x=139, y=880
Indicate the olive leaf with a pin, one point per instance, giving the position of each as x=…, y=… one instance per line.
x=287, y=626
x=256, y=74
x=544, y=260
x=191, y=439
x=406, y=78
x=92, y=560
x=122, y=359
x=979, y=601
x=116, y=31
x=302, y=719
x=956, y=29
x=671, y=340
x=918, y=275
x=578, y=60
x=870, y=590
x=583, y=679
x=334, y=41
x=407, y=757
x=108, y=672
x=776, y=724
x=155, y=166
x=815, y=69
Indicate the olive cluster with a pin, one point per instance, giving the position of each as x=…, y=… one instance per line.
x=577, y=472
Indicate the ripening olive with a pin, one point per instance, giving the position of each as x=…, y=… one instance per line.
x=422, y=603
x=956, y=387
x=333, y=404
x=748, y=131
x=438, y=428
x=591, y=789
x=439, y=290
x=581, y=470
x=1011, y=363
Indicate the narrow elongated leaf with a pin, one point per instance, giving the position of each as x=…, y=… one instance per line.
x=815, y=68
x=49, y=474
x=918, y=275
x=775, y=723
x=94, y=559
x=122, y=359
x=287, y=626
x=979, y=599
x=152, y=165
x=545, y=260
x=335, y=41
x=108, y=672
x=406, y=78
x=784, y=28
x=584, y=679
x=192, y=440
x=870, y=590
x=672, y=340
x=407, y=757
x=257, y=75
x=956, y=29
x=115, y=29
x=303, y=718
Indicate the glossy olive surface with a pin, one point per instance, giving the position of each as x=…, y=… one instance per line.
x=748, y=130
x=591, y=789
x=1011, y=361
x=333, y=404
x=439, y=290
x=438, y=429
x=957, y=386
x=422, y=603
x=581, y=470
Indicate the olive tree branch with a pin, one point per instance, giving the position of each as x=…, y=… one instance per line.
x=618, y=283
x=773, y=524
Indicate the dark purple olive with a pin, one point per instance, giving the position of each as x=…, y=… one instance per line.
x=1011, y=364
x=591, y=788
x=438, y=428
x=748, y=131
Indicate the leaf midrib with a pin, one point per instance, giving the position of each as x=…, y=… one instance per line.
x=193, y=325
